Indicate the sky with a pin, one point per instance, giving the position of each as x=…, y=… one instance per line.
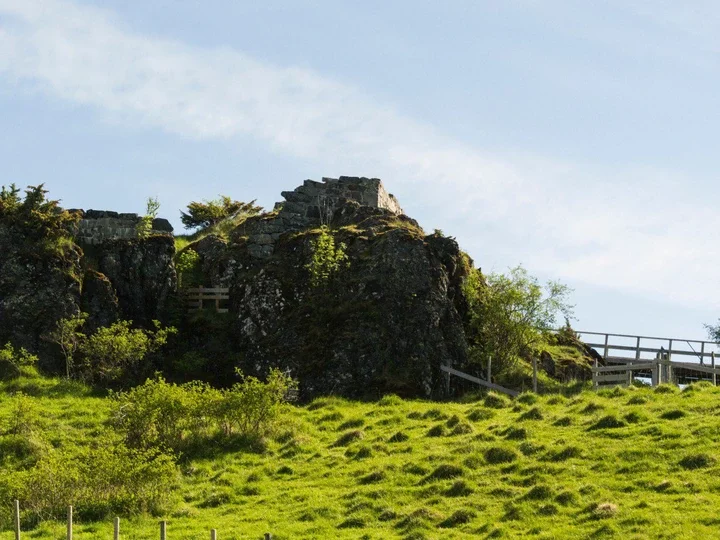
x=578, y=139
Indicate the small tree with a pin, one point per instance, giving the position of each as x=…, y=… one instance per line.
x=12, y=361
x=327, y=258
x=144, y=226
x=186, y=262
x=208, y=213
x=509, y=313
x=68, y=336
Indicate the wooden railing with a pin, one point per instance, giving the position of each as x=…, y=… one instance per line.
x=624, y=348
x=197, y=298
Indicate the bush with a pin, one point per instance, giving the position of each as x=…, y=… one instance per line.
x=112, y=350
x=509, y=313
x=13, y=360
x=159, y=414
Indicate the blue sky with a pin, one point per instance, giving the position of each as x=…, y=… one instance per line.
x=576, y=138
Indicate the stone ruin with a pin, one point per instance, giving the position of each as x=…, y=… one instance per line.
x=311, y=204
x=97, y=226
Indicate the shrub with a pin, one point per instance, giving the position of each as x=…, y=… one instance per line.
x=327, y=258
x=99, y=480
x=24, y=417
x=162, y=414
x=13, y=360
x=112, y=350
x=68, y=337
x=144, y=226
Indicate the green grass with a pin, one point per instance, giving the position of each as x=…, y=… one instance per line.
x=613, y=464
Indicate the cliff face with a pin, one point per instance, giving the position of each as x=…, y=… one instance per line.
x=38, y=286
x=384, y=323
x=42, y=281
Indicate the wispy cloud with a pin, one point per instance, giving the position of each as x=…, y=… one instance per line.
x=573, y=221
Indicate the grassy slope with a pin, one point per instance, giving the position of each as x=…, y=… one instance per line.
x=371, y=470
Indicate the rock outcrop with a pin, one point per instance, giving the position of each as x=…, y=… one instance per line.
x=384, y=323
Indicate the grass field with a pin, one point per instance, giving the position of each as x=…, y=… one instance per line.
x=623, y=463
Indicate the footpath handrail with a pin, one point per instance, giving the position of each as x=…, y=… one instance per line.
x=487, y=384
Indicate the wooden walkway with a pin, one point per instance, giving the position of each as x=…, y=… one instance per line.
x=199, y=298
x=657, y=359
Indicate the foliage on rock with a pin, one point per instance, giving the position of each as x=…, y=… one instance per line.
x=208, y=213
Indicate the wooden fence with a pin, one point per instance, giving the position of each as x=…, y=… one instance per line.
x=197, y=298
x=660, y=370
x=624, y=348
x=487, y=384
x=116, y=527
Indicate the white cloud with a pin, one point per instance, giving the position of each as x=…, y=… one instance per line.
x=616, y=228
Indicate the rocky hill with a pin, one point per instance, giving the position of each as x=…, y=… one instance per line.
x=390, y=313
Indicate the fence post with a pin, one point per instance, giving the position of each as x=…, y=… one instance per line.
x=116, y=531
x=535, y=375
x=489, y=370
x=268, y=536
x=213, y=534
x=657, y=371
x=17, y=520
x=605, y=353
x=595, y=374
x=69, y=522
x=163, y=530
x=702, y=353
x=712, y=358
x=670, y=374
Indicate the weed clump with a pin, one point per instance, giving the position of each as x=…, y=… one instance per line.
x=400, y=436
x=349, y=437
x=592, y=408
x=480, y=414
x=533, y=414
x=638, y=400
x=566, y=498
x=563, y=421
x=673, y=414
x=565, y=453
x=516, y=434
x=499, y=454
x=445, y=471
x=605, y=510
x=697, y=461
x=437, y=430
x=459, y=517
x=528, y=398
x=496, y=401
x=634, y=417
x=539, y=493
x=459, y=489
x=608, y=422
x=373, y=478
x=463, y=428
x=352, y=423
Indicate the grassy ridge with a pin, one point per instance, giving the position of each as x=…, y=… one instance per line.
x=626, y=463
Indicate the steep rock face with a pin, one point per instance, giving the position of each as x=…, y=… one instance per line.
x=385, y=323
x=99, y=300
x=143, y=276
x=39, y=284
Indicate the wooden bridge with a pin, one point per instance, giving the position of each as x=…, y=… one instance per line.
x=655, y=360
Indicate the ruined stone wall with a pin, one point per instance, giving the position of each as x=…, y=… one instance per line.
x=312, y=204
x=318, y=200
x=96, y=226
